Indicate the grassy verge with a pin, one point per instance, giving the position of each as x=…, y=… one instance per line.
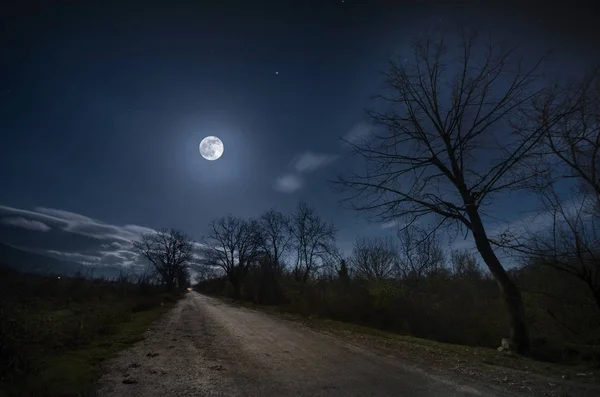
x=73, y=373
x=55, y=332
x=478, y=356
x=475, y=355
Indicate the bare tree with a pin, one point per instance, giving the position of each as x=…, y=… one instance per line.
x=419, y=254
x=444, y=150
x=464, y=264
x=570, y=149
x=313, y=239
x=275, y=235
x=572, y=244
x=204, y=273
x=566, y=163
x=169, y=252
x=233, y=244
x=374, y=259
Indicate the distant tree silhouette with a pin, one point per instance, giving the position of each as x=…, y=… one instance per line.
x=169, y=253
x=419, y=254
x=374, y=258
x=313, y=240
x=234, y=245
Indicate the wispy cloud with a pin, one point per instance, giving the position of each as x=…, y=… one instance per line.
x=29, y=224
x=288, y=183
x=309, y=161
x=74, y=256
x=78, y=224
x=105, y=244
x=358, y=132
x=302, y=163
x=390, y=224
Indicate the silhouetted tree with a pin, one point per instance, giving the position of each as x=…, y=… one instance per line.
x=419, y=254
x=344, y=275
x=464, y=264
x=234, y=245
x=444, y=150
x=566, y=165
x=275, y=235
x=374, y=259
x=169, y=252
x=313, y=240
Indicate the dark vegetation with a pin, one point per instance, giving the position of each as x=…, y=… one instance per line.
x=418, y=290
x=55, y=331
x=460, y=125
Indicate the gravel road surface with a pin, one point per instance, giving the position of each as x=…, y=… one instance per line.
x=205, y=347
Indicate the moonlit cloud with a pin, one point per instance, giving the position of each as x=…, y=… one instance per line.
x=61, y=214
x=390, y=224
x=309, y=161
x=26, y=224
x=74, y=256
x=288, y=183
x=302, y=163
x=78, y=224
x=358, y=132
x=107, y=244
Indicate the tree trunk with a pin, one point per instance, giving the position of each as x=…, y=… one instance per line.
x=519, y=334
x=169, y=283
x=595, y=292
x=235, y=283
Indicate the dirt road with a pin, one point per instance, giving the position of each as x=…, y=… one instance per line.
x=205, y=347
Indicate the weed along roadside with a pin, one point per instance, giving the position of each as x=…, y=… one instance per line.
x=56, y=332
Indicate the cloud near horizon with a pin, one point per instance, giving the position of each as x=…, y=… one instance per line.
x=92, y=242
x=73, y=237
x=19, y=221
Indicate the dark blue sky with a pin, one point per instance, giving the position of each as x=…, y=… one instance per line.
x=102, y=107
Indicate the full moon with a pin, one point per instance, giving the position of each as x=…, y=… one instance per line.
x=211, y=148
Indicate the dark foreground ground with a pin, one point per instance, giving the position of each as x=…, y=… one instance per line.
x=206, y=347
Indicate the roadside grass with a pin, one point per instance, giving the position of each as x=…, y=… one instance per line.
x=74, y=372
x=55, y=332
x=475, y=355
x=478, y=356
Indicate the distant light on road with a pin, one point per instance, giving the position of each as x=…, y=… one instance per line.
x=189, y=289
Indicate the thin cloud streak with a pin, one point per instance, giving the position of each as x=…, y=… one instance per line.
x=288, y=183
x=21, y=222
x=309, y=161
x=358, y=132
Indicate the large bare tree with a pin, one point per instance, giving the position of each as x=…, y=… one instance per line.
x=313, y=240
x=234, y=245
x=443, y=145
x=169, y=252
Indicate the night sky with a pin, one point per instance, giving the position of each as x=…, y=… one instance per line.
x=103, y=108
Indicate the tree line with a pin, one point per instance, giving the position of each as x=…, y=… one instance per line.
x=459, y=126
